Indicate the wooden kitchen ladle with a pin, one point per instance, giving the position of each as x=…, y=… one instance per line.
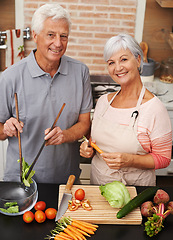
x=144, y=47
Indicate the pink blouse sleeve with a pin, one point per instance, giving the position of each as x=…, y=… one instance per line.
x=161, y=150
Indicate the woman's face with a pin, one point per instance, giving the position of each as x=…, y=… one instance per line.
x=123, y=67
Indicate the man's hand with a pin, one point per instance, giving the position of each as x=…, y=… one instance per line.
x=54, y=137
x=12, y=126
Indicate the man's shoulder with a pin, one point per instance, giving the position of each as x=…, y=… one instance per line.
x=73, y=61
x=16, y=66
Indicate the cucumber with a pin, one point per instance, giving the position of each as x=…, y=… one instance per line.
x=137, y=201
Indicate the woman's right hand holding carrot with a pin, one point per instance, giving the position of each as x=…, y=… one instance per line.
x=85, y=150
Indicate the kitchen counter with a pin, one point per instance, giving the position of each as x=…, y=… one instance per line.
x=15, y=228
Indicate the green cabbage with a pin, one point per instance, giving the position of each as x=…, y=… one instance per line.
x=115, y=193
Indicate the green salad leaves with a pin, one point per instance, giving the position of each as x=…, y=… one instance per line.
x=25, y=169
x=115, y=193
x=10, y=207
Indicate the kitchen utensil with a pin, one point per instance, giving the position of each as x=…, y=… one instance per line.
x=102, y=212
x=65, y=198
x=26, y=197
x=149, y=68
x=39, y=152
x=166, y=71
x=144, y=47
x=19, y=138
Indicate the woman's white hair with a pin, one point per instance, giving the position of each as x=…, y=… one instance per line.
x=54, y=11
x=124, y=41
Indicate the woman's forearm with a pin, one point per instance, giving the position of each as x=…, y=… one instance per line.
x=142, y=161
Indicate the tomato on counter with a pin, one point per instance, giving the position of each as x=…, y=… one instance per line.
x=50, y=213
x=40, y=216
x=28, y=217
x=41, y=205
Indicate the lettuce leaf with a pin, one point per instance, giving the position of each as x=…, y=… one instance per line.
x=25, y=169
x=115, y=193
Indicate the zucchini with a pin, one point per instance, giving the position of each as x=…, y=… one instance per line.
x=137, y=201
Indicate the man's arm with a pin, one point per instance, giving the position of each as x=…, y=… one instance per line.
x=74, y=133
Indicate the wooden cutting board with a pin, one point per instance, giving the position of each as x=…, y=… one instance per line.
x=102, y=212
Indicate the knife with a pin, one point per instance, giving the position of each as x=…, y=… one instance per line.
x=65, y=198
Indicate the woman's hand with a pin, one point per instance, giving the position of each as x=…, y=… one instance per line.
x=54, y=137
x=117, y=160
x=12, y=126
x=85, y=150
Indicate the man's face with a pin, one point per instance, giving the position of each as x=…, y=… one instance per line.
x=52, y=41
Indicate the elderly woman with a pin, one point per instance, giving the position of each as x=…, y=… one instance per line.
x=131, y=126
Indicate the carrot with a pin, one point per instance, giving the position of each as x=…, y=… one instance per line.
x=79, y=235
x=87, y=224
x=75, y=224
x=58, y=237
x=95, y=146
x=70, y=233
x=65, y=235
x=83, y=232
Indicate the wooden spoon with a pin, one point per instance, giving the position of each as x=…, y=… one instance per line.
x=19, y=138
x=38, y=154
x=144, y=47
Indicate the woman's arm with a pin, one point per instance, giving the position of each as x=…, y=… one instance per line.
x=120, y=160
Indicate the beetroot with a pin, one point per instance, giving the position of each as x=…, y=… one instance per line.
x=147, y=209
x=161, y=197
x=170, y=206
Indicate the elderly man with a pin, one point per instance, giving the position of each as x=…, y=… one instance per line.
x=44, y=81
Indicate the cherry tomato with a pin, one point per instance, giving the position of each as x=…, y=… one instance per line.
x=28, y=217
x=72, y=206
x=51, y=213
x=41, y=205
x=86, y=205
x=79, y=194
x=40, y=216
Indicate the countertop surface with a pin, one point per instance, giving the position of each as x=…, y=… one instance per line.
x=15, y=228
x=164, y=91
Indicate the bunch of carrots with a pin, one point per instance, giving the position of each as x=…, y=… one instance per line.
x=71, y=229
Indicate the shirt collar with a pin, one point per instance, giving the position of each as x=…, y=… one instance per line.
x=36, y=71
x=63, y=68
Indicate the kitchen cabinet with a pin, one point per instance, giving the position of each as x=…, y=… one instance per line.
x=157, y=27
x=7, y=13
x=165, y=3
x=3, y=148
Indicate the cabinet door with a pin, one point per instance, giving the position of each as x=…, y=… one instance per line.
x=7, y=14
x=3, y=149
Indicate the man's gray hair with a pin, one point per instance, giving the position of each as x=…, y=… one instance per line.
x=125, y=41
x=54, y=11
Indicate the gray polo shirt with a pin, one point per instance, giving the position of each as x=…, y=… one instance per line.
x=40, y=98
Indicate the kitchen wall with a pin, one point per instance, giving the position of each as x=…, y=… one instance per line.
x=93, y=22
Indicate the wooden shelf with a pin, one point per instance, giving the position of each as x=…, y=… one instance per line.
x=165, y=3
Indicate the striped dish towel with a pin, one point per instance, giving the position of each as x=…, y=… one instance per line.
x=15, y=46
